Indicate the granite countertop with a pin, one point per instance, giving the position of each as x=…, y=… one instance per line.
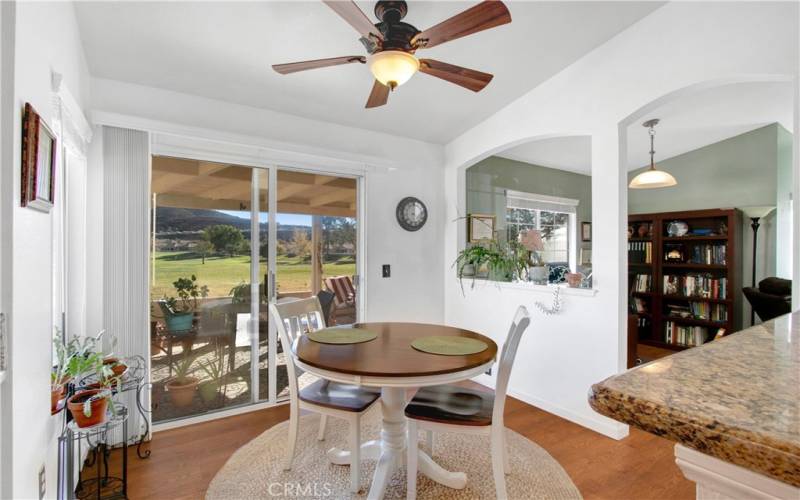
x=736, y=398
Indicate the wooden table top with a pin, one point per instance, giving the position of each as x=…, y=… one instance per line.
x=391, y=354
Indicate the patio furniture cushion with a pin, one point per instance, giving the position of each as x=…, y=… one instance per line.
x=339, y=396
x=343, y=289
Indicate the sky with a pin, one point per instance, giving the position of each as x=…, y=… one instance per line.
x=289, y=219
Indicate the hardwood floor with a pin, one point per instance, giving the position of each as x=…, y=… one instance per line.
x=642, y=466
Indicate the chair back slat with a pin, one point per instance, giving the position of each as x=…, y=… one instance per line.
x=506, y=361
x=293, y=319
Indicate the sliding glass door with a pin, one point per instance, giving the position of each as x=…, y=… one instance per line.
x=223, y=248
x=316, y=247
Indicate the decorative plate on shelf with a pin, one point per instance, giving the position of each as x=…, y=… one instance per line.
x=677, y=228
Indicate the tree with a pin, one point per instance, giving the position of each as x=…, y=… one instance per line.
x=203, y=247
x=300, y=244
x=224, y=237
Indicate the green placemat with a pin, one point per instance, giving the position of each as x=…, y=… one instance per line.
x=448, y=346
x=341, y=336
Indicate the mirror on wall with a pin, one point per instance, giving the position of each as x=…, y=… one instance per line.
x=718, y=244
x=529, y=214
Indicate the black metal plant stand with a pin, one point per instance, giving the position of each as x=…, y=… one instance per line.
x=103, y=486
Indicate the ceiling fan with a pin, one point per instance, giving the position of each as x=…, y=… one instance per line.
x=391, y=45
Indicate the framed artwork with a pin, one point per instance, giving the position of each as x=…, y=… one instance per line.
x=38, y=162
x=586, y=231
x=481, y=227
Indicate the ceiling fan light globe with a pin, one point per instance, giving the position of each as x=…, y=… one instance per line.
x=393, y=67
x=651, y=179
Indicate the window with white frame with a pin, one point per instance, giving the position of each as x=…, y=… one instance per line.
x=555, y=219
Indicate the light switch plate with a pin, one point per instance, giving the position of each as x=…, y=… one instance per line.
x=386, y=271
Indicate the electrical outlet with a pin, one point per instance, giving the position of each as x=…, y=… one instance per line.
x=42, y=485
x=387, y=271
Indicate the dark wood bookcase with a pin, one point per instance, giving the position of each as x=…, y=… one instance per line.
x=710, y=253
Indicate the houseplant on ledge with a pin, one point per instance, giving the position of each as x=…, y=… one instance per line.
x=179, y=312
x=59, y=378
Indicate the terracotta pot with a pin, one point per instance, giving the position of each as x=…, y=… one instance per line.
x=182, y=391
x=116, y=366
x=56, y=394
x=75, y=405
x=574, y=279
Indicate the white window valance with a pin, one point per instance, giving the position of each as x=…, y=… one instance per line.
x=532, y=201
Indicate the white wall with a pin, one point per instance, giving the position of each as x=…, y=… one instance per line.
x=46, y=39
x=396, y=167
x=677, y=47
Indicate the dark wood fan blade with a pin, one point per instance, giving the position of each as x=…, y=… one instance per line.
x=285, y=69
x=379, y=95
x=467, y=78
x=485, y=15
x=355, y=17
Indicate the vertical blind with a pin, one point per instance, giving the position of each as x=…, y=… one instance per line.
x=126, y=216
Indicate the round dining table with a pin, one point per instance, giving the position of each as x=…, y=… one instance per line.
x=391, y=363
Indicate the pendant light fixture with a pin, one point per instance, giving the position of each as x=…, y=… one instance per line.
x=652, y=178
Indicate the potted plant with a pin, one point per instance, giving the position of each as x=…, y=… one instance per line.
x=470, y=260
x=215, y=370
x=505, y=262
x=59, y=378
x=117, y=367
x=182, y=387
x=179, y=312
x=89, y=407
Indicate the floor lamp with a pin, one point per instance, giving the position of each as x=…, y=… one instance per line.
x=755, y=214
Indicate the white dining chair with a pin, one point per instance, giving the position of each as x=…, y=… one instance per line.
x=327, y=398
x=451, y=408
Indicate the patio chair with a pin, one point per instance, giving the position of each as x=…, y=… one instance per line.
x=344, y=303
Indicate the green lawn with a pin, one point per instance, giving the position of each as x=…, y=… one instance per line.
x=221, y=274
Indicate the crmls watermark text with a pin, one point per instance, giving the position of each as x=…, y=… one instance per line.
x=300, y=490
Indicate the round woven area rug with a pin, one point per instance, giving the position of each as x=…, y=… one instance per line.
x=256, y=469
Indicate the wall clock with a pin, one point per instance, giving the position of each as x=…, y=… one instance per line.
x=411, y=213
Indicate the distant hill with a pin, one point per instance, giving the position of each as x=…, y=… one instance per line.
x=175, y=220
x=170, y=221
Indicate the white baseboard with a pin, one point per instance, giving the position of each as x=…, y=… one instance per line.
x=598, y=423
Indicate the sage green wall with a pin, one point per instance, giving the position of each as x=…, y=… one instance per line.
x=737, y=172
x=487, y=181
x=783, y=214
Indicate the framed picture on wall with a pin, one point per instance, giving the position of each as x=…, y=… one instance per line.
x=481, y=227
x=38, y=162
x=586, y=231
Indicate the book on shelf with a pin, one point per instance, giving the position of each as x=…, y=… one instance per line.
x=640, y=252
x=642, y=283
x=699, y=310
x=639, y=305
x=695, y=285
x=683, y=335
x=709, y=254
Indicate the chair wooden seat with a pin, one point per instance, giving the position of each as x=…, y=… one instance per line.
x=450, y=408
x=339, y=396
x=451, y=404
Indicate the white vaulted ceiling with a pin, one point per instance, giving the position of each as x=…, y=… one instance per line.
x=687, y=123
x=224, y=50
